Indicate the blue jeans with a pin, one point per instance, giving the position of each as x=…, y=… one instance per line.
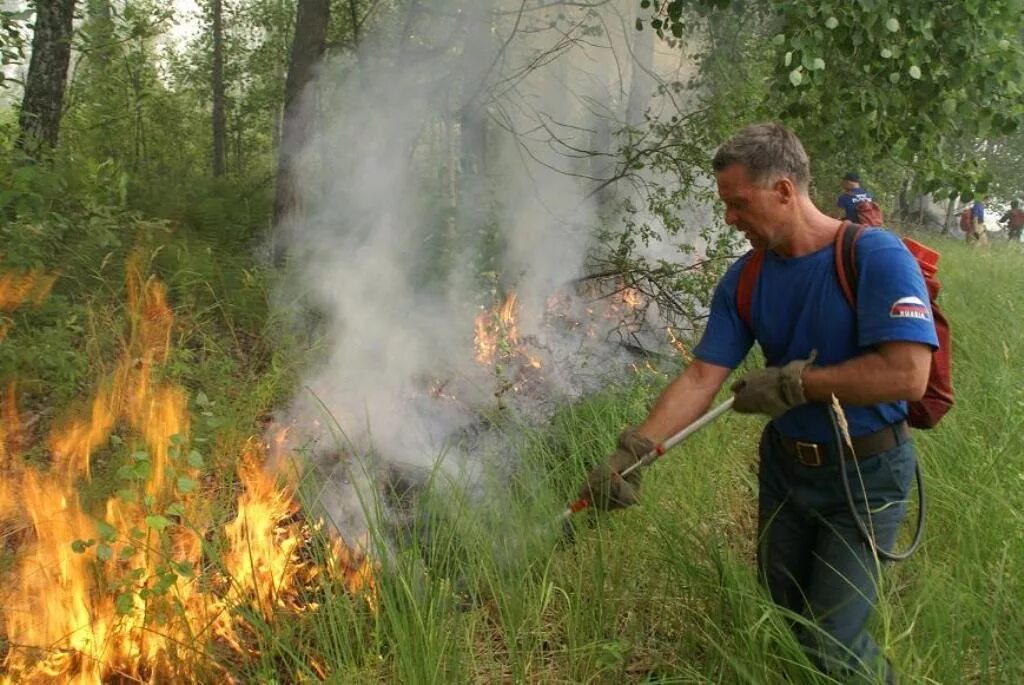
x=813, y=559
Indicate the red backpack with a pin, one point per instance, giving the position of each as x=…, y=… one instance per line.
x=938, y=396
x=967, y=220
x=869, y=213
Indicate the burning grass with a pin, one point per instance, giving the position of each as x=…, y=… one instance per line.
x=235, y=585
x=135, y=592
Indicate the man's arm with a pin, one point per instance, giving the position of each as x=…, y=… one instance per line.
x=892, y=371
x=684, y=400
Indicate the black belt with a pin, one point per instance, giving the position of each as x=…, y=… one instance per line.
x=864, y=446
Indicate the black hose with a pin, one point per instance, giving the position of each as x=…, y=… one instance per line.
x=841, y=448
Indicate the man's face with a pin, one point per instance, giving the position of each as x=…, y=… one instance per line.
x=755, y=211
x=847, y=186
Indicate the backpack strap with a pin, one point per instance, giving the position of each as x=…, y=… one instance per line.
x=745, y=288
x=846, y=260
x=846, y=270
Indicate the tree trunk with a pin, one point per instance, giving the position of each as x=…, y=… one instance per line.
x=311, y=20
x=219, y=124
x=39, y=119
x=947, y=224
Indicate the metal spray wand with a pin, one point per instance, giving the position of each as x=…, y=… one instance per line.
x=650, y=457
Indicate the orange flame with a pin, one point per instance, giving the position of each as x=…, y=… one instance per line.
x=494, y=328
x=17, y=288
x=92, y=600
x=496, y=334
x=679, y=345
x=631, y=297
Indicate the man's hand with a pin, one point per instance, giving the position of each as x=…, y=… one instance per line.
x=772, y=391
x=605, y=488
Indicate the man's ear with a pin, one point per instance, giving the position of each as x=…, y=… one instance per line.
x=786, y=190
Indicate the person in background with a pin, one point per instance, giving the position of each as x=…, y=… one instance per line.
x=853, y=194
x=1014, y=220
x=811, y=556
x=977, y=234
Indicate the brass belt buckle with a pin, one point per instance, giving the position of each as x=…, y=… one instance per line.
x=808, y=453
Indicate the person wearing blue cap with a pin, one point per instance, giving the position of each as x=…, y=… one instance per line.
x=855, y=203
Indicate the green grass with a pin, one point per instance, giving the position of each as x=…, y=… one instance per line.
x=666, y=592
x=483, y=591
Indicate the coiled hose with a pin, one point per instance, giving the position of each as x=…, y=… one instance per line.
x=841, y=448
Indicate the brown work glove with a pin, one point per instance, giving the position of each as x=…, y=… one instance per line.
x=605, y=488
x=772, y=391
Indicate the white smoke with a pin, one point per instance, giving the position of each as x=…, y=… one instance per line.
x=384, y=195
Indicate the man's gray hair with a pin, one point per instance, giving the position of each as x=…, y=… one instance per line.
x=768, y=152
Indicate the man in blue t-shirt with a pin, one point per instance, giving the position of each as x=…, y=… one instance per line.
x=977, y=233
x=852, y=195
x=811, y=556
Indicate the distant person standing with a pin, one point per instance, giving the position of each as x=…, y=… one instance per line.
x=978, y=222
x=856, y=204
x=1014, y=220
x=972, y=222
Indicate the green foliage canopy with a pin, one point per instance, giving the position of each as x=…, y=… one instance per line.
x=909, y=80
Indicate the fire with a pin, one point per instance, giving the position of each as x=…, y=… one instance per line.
x=496, y=334
x=679, y=345
x=632, y=298
x=18, y=288
x=496, y=328
x=132, y=595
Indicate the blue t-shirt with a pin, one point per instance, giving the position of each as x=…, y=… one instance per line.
x=848, y=201
x=978, y=210
x=798, y=306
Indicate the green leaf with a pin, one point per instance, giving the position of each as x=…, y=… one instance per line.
x=186, y=484
x=79, y=546
x=106, y=531
x=126, y=495
x=182, y=568
x=157, y=522
x=175, y=509
x=831, y=23
x=796, y=76
x=104, y=552
x=195, y=460
x=788, y=58
x=949, y=105
x=894, y=77
x=202, y=400
x=886, y=53
x=818, y=64
x=126, y=553
x=124, y=603
x=893, y=24
x=914, y=72
x=779, y=39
